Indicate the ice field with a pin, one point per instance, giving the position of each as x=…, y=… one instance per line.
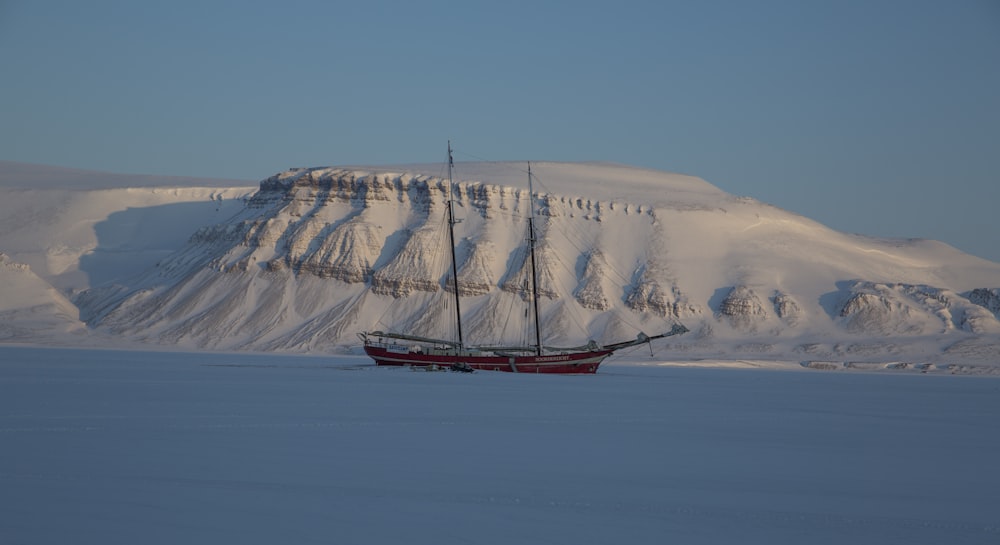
x=127, y=447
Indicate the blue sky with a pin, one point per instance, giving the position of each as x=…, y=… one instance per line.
x=879, y=117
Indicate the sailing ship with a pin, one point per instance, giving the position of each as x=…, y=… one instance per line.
x=399, y=349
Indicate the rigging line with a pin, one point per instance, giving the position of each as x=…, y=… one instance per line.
x=435, y=260
x=512, y=165
x=515, y=335
x=378, y=321
x=517, y=282
x=541, y=183
x=575, y=238
x=439, y=262
x=575, y=311
x=585, y=246
x=561, y=287
x=388, y=307
x=562, y=263
x=442, y=167
x=578, y=243
x=631, y=349
x=476, y=157
x=498, y=339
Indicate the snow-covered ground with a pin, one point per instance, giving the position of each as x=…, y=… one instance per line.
x=308, y=258
x=157, y=447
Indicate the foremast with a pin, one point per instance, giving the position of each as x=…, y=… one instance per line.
x=534, y=270
x=451, y=236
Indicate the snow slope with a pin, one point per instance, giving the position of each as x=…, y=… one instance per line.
x=79, y=229
x=31, y=308
x=316, y=255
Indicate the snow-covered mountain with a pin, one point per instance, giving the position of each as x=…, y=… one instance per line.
x=312, y=256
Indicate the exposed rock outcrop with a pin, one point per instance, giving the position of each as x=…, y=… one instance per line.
x=986, y=298
x=786, y=308
x=743, y=309
x=907, y=309
x=590, y=292
x=416, y=267
x=474, y=274
x=518, y=280
x=647, y=294
x=347, y=253
x=871, y=312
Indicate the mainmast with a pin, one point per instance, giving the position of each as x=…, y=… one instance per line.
x=451, y=235
x=534, y=272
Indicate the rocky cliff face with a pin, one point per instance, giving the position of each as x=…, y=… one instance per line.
x=379, y=234
x=986, y=298
x=910, y=310
x=743, y=309
x=317, y=255
x=786, y=308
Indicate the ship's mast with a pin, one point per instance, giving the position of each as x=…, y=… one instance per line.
x=534, y=272
x=451, y=235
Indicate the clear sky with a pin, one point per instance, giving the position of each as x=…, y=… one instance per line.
x=879, y=117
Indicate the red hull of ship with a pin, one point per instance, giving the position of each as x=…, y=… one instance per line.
x=574, y=363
